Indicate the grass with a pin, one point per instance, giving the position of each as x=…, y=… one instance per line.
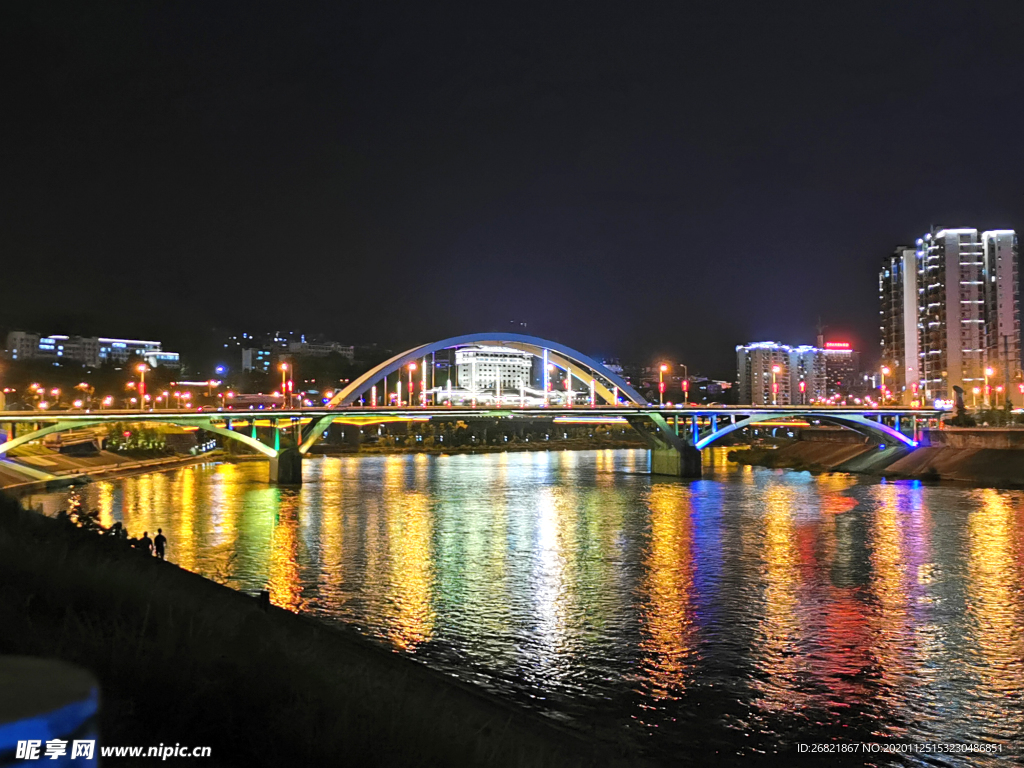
x=182, y=659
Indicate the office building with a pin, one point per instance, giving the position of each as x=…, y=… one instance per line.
x=842, y=368
x=87, y=350
x=483, y=368
x=949, y=313
x=321, y=348
x=778, y=374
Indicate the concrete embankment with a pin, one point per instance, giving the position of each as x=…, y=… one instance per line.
x=80, y=470
x=983, y=456
x=181, y=659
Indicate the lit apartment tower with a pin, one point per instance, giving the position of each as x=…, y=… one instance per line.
x=898, y=316
x=842, y=367
x=1002, y=308
x=960, y=307
x=754, y=364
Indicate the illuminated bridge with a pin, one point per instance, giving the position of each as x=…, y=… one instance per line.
x=590, y=393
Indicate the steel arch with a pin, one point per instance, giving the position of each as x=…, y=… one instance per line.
x=851, y=421
x=533, y=344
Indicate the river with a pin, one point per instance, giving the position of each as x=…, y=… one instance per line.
x=738, y=615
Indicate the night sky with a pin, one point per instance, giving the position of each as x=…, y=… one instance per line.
x=631, y=179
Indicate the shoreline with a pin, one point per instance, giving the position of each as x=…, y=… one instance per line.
x=978, y=467
x=260, y=684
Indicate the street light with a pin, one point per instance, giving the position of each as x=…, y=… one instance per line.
x=661, y=384
x=885, y=372
x=686, y=383
x=284, y=383
x=988, y=391
x=775, y=386
x=142, y=368
x=412, y=367
x=976, y=391
x=803, y=392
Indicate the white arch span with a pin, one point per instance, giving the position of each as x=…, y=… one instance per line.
x=571, y=360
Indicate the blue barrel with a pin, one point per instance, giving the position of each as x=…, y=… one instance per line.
x=47, y=707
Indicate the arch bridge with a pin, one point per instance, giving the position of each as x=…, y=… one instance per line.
x=563, y=383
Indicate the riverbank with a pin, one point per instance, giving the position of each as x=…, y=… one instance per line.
x=952, y=455
x=107, y=465
x=182, y=659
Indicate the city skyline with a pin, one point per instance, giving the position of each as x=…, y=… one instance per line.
x=427, y=173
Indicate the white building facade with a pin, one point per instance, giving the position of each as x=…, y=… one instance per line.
x=479, y=369
x=950, y=313
x=800, y=377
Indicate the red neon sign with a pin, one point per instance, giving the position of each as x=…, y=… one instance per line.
x=837, y=345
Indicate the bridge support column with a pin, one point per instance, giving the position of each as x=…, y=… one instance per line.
x=286, y=467
x=677, y=462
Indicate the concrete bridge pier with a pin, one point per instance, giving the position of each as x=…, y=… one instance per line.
x=286, y=467
x=683, y=461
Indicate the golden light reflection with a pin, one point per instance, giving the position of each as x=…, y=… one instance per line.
x=666, y=618
x=409, y=529
x=779, y=629
x=994, y=611
x=285, y=580
x=409, y=559
x=182, y=548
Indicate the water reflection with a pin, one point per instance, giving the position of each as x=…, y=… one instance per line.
x=754, y=606
x=666, y=616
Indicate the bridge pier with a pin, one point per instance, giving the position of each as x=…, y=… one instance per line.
x=286, y=467
x=677, y=462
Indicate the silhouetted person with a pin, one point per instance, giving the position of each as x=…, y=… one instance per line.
x=160, y=542
x=146, y=543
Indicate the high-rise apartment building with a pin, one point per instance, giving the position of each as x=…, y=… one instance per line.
x=800, y=377
x=949, y=312
x=842, y=367
x=897, y=290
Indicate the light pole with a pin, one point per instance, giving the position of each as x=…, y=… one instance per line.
x=776, y=370
x=975, y=391
x=412, y=367
x=885, y=372
x=661, y=384
x=686, y=384
x=141, y=368
x=988, y=391
x=803, y=392
x=283, y=367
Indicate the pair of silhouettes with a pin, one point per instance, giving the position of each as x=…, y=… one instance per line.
x=159, y=543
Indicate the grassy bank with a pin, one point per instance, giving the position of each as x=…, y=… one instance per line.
x=182, y=659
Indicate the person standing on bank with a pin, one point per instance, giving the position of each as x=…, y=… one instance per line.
x=160, y=542
x=146, y=543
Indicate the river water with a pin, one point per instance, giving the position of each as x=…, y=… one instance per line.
x=726, y=619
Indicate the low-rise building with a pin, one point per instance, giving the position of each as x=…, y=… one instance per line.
x=87, y=350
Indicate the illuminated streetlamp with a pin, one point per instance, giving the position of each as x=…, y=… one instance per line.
x=885, y=372
x=284, y=383
x=661, y=384
x=142, y=368
x=976, y=391
x=776, y=370
x=412, y=367
x=988, y=390
x=803, y=392
x=686, y=383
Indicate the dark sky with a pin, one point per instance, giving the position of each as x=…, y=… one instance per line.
x=628, y=178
